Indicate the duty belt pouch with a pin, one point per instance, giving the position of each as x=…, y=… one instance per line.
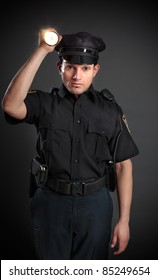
x=111, y=175
x=38, y=174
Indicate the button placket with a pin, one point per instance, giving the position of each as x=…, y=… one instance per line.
x=76, y=141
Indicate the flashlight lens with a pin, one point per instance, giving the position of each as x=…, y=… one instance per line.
x=51, y=38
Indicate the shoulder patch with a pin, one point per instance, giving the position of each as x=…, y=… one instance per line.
x=125, y=122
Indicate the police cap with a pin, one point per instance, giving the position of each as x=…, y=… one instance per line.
x=80, y=48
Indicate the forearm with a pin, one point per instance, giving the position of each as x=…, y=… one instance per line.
x=13, y=100
x=20, y=84
x=125, y=186
x=121, y=233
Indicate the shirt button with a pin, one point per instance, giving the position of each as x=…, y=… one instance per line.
x=78, y=121
x=77, y=140
x=76, y=161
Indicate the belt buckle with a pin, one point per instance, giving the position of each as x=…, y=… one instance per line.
x=77, y=188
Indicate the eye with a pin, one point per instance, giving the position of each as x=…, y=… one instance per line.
x=68, y=67
x=86, y=68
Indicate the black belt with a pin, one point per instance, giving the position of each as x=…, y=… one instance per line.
x=76, y=187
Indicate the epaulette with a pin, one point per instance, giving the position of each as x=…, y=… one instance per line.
x=108, y=95
x=32, y=91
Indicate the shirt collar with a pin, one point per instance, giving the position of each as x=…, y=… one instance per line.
x=91, y=90
x=62, y=91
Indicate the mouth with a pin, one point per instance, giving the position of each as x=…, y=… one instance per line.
x=76, y=85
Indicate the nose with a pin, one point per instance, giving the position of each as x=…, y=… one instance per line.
x=76, y=74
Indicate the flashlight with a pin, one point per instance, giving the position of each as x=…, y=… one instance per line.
x=51, y=38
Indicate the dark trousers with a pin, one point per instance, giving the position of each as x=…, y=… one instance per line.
x=71, y=226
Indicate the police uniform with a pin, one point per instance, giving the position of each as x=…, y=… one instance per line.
x=72, y=212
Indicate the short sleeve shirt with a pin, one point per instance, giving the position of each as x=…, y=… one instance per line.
x=79, y=135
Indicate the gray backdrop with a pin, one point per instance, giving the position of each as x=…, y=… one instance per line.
x=129, y=69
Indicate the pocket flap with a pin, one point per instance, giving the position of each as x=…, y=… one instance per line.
x=96, y=128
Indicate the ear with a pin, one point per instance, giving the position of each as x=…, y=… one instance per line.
x=58, y=64
x=96, y=69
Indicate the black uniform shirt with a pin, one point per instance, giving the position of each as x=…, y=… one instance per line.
x=78, y=135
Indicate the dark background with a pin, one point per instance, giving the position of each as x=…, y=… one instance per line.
x=129, y=69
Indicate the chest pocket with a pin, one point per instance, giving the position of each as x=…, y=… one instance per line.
x=57, y=143
x=97, y=141
x=58, y=139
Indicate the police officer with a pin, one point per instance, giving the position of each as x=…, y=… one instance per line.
x=80, y=133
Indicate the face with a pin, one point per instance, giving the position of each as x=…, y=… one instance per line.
x=77, y=78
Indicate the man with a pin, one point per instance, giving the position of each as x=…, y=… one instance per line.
x=80, y=132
